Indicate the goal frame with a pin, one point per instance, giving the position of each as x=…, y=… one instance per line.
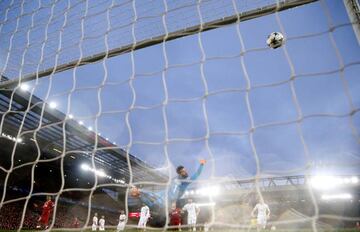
x=244, y=16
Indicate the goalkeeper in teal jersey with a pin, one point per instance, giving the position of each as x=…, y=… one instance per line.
x=176, y=189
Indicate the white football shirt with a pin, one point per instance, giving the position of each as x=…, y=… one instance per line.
x=191, y=209
x=122, y=217
x=261, y=208
x=102, y=223
x=145, y=212
x=95, y=220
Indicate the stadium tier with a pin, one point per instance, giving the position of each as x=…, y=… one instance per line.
x=289, y=198
x=50, y=140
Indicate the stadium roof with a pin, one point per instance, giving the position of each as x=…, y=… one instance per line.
x=20, y=110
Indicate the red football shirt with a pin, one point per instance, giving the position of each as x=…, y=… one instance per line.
x=47, y=207
x=175, y=217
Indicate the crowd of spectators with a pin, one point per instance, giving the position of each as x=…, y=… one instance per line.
x=11, y=214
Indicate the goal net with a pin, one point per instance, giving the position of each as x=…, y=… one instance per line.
x=108, y=106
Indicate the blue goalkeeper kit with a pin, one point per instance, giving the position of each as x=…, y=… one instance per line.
x=176, y=190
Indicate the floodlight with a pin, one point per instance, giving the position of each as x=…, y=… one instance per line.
x=209, y=191
x=100, y=173
x=52, y=105
x=325, y=182
x=24, y=87
x=214, y=191
x=85, y=167
x=354, y=180
x=330, y=182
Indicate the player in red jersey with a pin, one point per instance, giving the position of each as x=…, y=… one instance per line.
x=175, y=216
x=357, y=226
x=76, y=223
x=46, y=211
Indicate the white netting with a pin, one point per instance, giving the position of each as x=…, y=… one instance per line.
x=97, y=97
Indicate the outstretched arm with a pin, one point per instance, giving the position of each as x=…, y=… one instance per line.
x=198, y=172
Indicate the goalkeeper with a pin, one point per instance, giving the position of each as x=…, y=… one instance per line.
x=177, y=188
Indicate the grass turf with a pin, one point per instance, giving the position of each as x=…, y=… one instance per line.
x=218, y=230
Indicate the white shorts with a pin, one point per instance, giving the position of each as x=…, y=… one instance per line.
x=261, y=220
x=93, y=227
x=142, y=222
x=101, y=228
x=121, y=226
x=191, y=220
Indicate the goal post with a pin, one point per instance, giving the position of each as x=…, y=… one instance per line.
x=353, y=10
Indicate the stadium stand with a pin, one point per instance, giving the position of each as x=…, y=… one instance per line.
x=47, y=175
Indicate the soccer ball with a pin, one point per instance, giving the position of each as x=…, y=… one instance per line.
x=275, y=40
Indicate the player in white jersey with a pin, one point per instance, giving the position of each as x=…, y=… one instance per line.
x=95, y=223
x=144, y=216
x=102, y=223
x=122, y=221
x=192, y=211
x=263, y=214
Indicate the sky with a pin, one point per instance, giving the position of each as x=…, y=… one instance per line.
x=214, y=61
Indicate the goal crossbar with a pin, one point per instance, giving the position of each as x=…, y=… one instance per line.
x=251, y=14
